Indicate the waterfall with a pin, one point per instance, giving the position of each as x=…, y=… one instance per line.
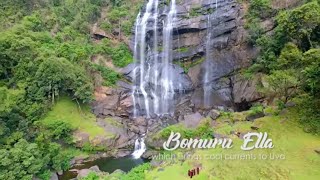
x=207, y=91
x=167, y=80
x=155, y=54
x=134, y=89
x=153, y=91
x=139, y=148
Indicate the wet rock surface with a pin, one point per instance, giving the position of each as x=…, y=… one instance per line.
x=229, y=53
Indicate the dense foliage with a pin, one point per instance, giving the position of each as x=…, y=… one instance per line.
x=290, y=56
x=46, y=52
x=134, y=174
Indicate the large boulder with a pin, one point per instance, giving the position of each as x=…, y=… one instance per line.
x=192, y=120
x=103, y=141
x=81, y=138
x=85, y=172
x=141, y=121
x=214, y=114
x=245, y=90
x=252, y=117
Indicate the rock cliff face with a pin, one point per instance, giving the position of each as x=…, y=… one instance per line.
x=224, y=53
x=228, y=51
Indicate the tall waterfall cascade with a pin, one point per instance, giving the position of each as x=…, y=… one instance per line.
x=153, y=89
x=207, y=89
x=139, y=148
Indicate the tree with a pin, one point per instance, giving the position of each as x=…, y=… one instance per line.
x=21, y=161
x=260, y=8
x=57, y=75
x=59, y=130
x=283, y=84
x=312, y=71
x=10, y=117
x=301, y=24
x=116, y=2
x=290, y=57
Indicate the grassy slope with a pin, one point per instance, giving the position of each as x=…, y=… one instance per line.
x=301, y=161
x=83, y=120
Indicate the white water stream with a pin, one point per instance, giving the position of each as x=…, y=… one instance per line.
x=139, y=148
x=153, y=90
x=208, y=70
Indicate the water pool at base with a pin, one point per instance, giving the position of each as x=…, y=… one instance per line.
x=107, y=165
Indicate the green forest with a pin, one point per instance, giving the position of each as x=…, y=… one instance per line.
x=48, y=55
x=46, y=52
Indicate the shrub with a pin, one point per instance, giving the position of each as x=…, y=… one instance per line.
x=106, y=26
x=60, y=130
x=256, y=109
x=88, y=147
x=121, y=55
x=260, y=8
x=91, y=176
x=309, y=112
x=283, y=84
x=137, y=172
x=110, y=76
x=204, y=130
x=255, y=31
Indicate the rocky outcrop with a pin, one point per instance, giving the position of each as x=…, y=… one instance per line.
x=192, y=120
x=280, y=4
x=98, y=33
x=214, y=114
x=228, y=53
x=113, y=101
x=85, y=172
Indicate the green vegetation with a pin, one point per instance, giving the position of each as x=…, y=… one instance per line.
x=91, y=176
x=89, y=148
x=137, y=172
x=121, y=56
x=118, y=52
x=46, y=79
x=182, y=49
x=187, y=65
x=301, y=162
x=59, y=130
x=282, y=84
x=48, y=68
x=197, y=11
x=79, y=117
x=290, y=59
x=110, y=76
x=258, y=10
x=256, y=109
x=121, y=17
x=134, y=174
x=23, y=160
x=202, y=131
x=194, y=12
